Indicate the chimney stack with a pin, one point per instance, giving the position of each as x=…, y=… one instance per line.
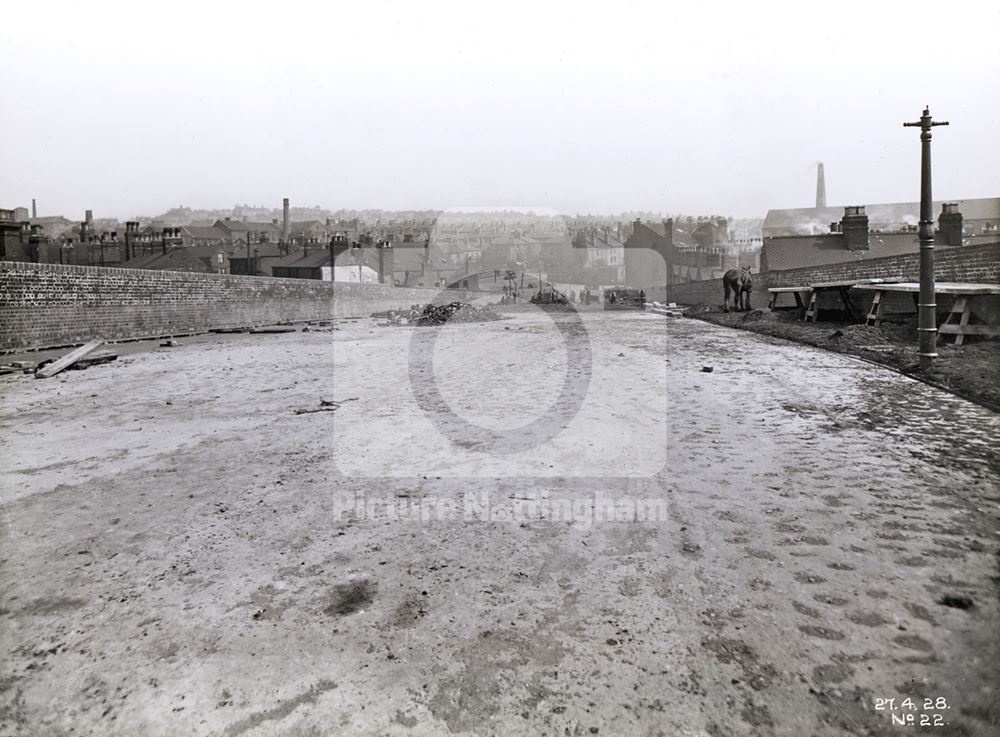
x=131, y=231
x=854, y=226
x=949, y=231
x=284, y=220
x=34, y=210
x=820, y=185
x=339, y=243
x=385, y=267
x=89, y=217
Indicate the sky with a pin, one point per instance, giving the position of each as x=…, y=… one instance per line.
x=724, y=108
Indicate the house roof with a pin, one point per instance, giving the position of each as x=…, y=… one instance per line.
x=261, y=250
x=212, y=250
x=405, y=257
x=413, y=257
x=889, y=217
x=204, y=232
x=175, y=259
x=313, y=260
x=301, y=226
x=239, y=226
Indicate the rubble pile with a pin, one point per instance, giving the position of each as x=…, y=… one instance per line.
x=455, y=312
x=438, y=314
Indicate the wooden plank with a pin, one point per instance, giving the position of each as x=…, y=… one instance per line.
x=963, y=321
x=95, y=359
x=953, y=329
x=813, y=307
x=274, y=329
x=901, y=287
x=833, y=284
x=877, y=308
x=966, y=288
x=940, y=288
x=68, y=360
x=959, y=315
x=788, y=289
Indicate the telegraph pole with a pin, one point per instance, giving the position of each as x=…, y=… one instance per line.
x=926, y=308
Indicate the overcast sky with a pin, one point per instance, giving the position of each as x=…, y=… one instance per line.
x=711, y=108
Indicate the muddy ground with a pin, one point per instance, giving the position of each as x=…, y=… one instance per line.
x=971, y=370
x=182, y=553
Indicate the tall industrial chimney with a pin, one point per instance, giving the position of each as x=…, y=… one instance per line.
x=34, y=210
x=820, y=185
x=284, y=221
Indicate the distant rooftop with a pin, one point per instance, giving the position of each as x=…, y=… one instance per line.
x=886, y=217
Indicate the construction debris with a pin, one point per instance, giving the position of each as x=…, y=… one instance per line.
x=552, y=297
x=670, y=310
x=170, y=343
x=94, y=359
x=275, y=329
x=432, y=314
x=17, y=367
x=325, y=405
x=68, y=360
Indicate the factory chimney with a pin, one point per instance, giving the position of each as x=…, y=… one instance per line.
x=34, y=210
x=820, y=185
x=284, y=220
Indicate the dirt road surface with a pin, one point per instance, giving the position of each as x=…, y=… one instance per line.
x=183, y=554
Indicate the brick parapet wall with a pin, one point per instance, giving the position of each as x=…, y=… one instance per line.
x=976, y=264
x=49, y=305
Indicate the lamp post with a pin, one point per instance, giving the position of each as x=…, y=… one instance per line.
x=926, y=306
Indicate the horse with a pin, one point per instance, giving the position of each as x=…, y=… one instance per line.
x=740, y=284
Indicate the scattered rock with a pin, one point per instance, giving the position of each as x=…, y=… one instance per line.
x=350, y=597
x=707, y=369
x=956, y=601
